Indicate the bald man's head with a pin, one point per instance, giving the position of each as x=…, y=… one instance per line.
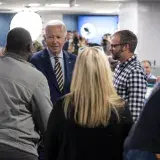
x=18, y=40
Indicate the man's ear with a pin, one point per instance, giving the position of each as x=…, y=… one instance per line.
x=126, y=47
x=31, y=48
x=44, y=37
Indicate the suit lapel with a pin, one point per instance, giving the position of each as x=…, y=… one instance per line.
x=49, y=69
x=68, y=69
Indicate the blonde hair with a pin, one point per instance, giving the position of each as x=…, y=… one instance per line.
x=92, y=92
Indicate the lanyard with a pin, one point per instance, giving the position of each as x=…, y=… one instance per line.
x=122, y=70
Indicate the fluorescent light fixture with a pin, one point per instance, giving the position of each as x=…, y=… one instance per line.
x=106, y=11
x=25, y=9
x=34, y=4
x=60, y=5
x=111, y=0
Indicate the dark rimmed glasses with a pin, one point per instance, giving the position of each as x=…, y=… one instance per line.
x=118, y=44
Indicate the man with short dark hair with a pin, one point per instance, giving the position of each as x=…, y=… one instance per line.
x=25, y=100
x=130, y=79
x=69, y=37
x=147, y=67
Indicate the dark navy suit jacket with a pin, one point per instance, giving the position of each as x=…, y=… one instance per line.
x=145, y=134
x=41, y=61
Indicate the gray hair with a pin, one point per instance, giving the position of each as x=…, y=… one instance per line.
x=56, y=23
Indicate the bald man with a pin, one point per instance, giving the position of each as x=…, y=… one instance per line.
x=25, y=100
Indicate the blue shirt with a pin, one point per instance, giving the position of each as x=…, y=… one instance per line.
x=151, y=76
x=61, y=60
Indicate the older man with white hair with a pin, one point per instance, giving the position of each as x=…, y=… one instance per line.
x=55, y=63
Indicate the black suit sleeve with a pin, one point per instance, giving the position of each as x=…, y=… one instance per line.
x=145, y=133
x=33, y=61
x=126, y=120
x=51, y=141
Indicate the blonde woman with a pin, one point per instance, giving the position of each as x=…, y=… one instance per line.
x=92, y=121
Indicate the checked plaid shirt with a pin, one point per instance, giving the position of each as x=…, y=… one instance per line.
x=130, y=82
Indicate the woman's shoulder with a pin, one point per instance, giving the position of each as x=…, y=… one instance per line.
x=125, y=114
x=59, y=102
x=58, y=106
x=122, y=114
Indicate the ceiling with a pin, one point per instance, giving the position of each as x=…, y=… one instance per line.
x=85, y=6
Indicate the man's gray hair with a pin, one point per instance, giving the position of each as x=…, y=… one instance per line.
x=56, y=23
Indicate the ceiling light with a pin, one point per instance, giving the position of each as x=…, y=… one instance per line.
x=34, y=4
x=0, y=3
x=106, y=11
x=25, y=19
x=110, y=0
x=60, y=5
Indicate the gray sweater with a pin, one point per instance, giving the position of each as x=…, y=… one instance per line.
x=24, y=103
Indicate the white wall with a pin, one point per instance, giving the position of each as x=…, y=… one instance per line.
x=149, y=31
x=47, y=17
x=128, y=18
x=143, y=19
x=50, y=16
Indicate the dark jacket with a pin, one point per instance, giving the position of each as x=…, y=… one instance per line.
x=41, y=61
x=66, y=140
x=145, y=134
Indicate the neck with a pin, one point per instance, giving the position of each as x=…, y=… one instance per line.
x=24, y=56
x=53, y=53
x=125, y=58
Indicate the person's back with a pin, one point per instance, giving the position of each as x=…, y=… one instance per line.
x=25, y=106
x=78, y=142
x=91, y=122
x=18, y=82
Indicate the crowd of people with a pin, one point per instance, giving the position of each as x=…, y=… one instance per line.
x=72, y=100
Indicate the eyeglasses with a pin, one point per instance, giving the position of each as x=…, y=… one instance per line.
x=115, y=45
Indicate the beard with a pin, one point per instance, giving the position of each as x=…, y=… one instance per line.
x=117, y=55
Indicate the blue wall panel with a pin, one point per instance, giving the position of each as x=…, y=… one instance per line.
x=71, y=22
x=5, y=19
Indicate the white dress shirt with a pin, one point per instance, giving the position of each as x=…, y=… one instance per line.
x=61, y=60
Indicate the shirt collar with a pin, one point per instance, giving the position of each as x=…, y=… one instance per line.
x=52, y=56
x=123, y=64
x=17, y=57
x=149, y=75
